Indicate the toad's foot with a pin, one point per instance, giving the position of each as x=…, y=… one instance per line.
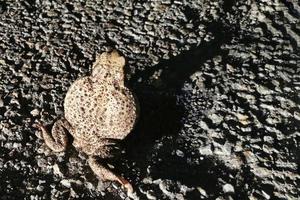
x=104, y=148
x=58, y=139
x=105, y=173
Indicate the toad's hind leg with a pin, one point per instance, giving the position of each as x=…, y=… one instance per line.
x=107, y=148
x=101, y=169
x=58, y=139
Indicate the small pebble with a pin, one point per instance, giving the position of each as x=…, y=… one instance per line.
x=228, y=188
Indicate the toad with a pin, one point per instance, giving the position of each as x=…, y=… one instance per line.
x=99, y=111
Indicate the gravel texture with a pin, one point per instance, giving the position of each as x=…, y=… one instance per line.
x=218, y=83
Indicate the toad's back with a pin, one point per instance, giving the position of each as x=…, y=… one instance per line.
x=97, y=109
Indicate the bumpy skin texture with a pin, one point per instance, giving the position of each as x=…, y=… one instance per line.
x=100, y=106
x=99, y=111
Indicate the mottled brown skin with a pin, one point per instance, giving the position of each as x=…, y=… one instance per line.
x=99, y=111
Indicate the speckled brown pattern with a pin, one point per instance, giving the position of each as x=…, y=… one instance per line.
x=99, y=111
x=100, y=106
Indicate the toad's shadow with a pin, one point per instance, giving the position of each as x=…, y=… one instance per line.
x=160, y=113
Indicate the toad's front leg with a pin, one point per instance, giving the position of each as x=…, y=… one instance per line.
x=58, y=139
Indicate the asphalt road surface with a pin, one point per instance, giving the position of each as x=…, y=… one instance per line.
x=218, y=82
